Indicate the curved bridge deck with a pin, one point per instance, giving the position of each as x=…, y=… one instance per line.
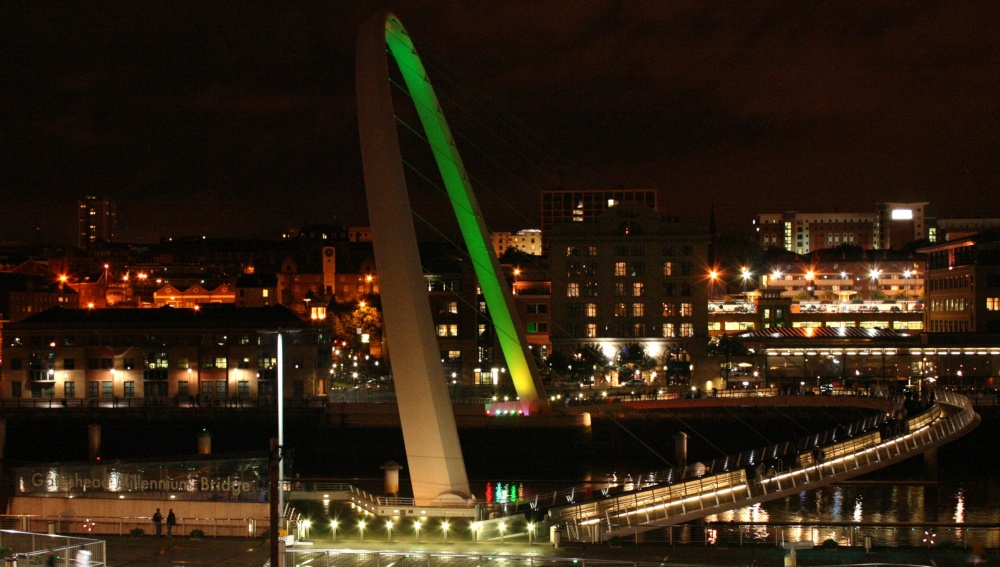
x=740, y=483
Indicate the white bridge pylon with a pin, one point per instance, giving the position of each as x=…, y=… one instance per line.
x=433, y=454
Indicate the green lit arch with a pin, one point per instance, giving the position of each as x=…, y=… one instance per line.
x=496, y=292
x=433, y=452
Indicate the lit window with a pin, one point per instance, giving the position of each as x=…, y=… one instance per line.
x=687, y=309
x=573, y=289
x=669, y=330
x=591, y=330
x=687, y=329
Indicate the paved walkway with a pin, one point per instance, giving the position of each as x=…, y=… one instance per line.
x=233, y=552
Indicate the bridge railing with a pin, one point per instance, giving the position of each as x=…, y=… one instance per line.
x=775, y=457
x=892, y=443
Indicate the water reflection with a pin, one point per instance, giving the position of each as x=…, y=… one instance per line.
x=966, y=502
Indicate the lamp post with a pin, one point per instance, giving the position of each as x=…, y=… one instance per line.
x=502, y=527
x=874, y=275
x=388, y=529
x=361, y=530
x=333, y=527
x=416, y=528
x=444, y=531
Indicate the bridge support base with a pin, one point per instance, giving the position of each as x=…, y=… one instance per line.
x=931, y=464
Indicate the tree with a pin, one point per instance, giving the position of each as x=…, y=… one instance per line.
x=727, y=346
x=633, y=359
x=589, y=364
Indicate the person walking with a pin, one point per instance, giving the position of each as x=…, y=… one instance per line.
x=171, y=522
x=158, y=522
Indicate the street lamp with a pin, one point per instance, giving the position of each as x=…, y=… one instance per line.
x=361, y=530
x=531, y=532
x=333, y=526
x=444, y=531
x=502, y=527
x=874, y=275
x=416, y=528
x=744, y=277
x=388, y=529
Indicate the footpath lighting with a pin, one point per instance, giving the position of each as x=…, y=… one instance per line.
x=361, y=530
x=531, y=532
x=333, y=526
x=416, y=528
x=388, y=529
x=502, y=527
x=444, y=531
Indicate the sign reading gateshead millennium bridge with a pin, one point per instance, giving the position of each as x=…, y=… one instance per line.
x=233, y=480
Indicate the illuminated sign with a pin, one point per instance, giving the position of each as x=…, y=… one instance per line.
x=902, y=214
x=241, y=480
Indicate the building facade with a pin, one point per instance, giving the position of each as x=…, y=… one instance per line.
x=633, y=277
x=528, y=241
x=213, y=353
x=963, y=285
x=586, y=206
x=890, y=226
x=97, y=220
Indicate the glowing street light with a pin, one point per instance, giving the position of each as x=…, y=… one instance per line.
x=531, y=532
x=444, y=531
x=416, y=528
x=361, y=530
x=502, y=527
x=388, y=529
x=333, y=526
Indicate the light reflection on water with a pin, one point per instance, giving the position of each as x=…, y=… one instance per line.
x=973, y=502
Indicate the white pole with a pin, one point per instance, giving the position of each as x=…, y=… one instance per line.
x=281, y=424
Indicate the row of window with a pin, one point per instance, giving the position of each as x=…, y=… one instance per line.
x=623, y=250
x=575, y=309
x=632, y=330
x=951, y=282
x=106, y=389
x=950, y=304
x=153, y=362
x=626, y=289
x=39, y=341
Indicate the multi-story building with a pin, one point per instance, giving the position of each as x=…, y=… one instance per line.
x=97, y=220
x=891, y=226
x=586, y=206
x=963, y=285
x=633, y=276
x=528, y=241
x=216, y=352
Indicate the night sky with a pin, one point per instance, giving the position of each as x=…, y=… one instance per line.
x=239, y=119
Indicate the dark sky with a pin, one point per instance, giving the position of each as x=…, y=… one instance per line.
x=238, y=119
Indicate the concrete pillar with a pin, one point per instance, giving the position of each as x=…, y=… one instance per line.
x=931, y=464
x=681, y=448
x=205, y=442
x=94, y=442
x=391, y=469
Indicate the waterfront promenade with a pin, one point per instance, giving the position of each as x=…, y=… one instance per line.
x=237, y=552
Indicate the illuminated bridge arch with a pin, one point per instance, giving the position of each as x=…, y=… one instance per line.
x=429, y=433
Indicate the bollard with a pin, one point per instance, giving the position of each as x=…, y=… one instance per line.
x=94, y=442
x=204, y=442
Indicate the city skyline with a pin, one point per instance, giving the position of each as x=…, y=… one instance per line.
x=241, y=121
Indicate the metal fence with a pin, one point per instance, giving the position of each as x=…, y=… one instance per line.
x=117, y=525
x=36, y=548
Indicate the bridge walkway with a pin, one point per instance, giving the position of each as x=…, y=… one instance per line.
x=659, y=502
